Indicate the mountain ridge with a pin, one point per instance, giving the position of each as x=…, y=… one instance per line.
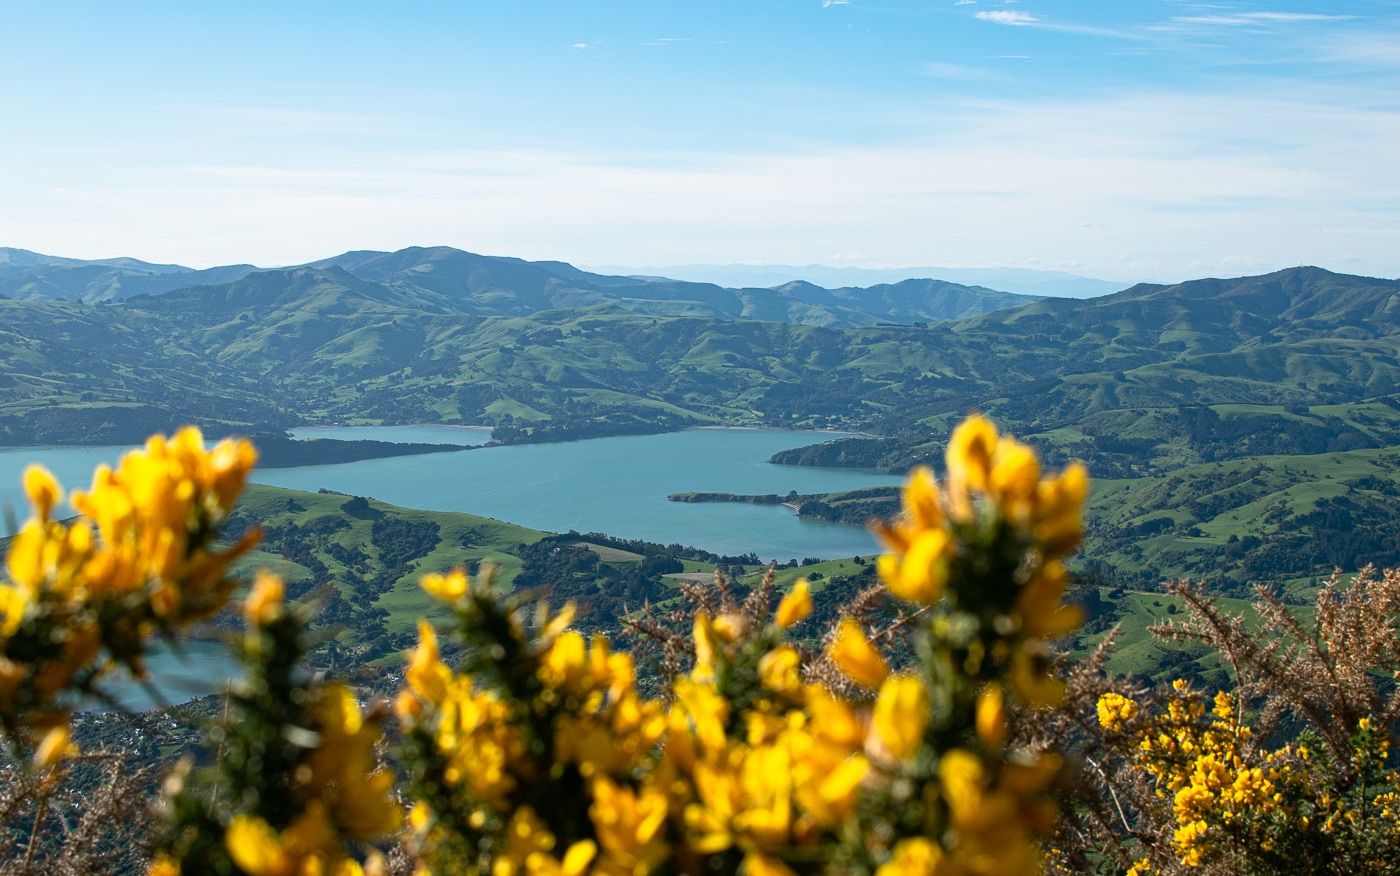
x=318, y=344
x=500, y=285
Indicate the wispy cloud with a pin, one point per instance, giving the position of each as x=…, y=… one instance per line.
x=1005, y=16
x=965, y=3
x=1015, y=18
x=1257, y=17
x=1248, y=19
x=826, y=4
x=1371, y=49
x=1155, y=176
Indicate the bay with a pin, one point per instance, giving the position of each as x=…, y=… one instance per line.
x=194, y=668
x=619, y=486
x=616, y=486
x=428, y=433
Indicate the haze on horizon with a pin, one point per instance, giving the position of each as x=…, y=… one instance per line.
x=1153, y=140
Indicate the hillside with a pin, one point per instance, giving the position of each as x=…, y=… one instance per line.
x=361, y=560
x=498, y=286
x=1142, y=384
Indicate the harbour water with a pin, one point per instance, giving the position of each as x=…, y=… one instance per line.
x=616, y=486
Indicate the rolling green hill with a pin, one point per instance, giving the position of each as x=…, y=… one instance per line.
x=1146, y=385
x=360, y=560
x=497, y=286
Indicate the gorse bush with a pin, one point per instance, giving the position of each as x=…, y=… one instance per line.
x=934, y=736
x=1289, y=772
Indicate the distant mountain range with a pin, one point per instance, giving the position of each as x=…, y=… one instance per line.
x=496, y=286
x=1266, y=407
x=1024, y=281
x=544, y=350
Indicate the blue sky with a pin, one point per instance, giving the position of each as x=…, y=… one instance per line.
x=1128, y=140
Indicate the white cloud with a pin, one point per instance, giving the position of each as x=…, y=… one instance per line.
x=1371, y=49
x=1003, y=16
x=1162, y=182
x=1259, y=18
x=965, y=2
x=826, y=4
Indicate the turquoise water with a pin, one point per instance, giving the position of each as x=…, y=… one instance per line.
x=613, y=485
x=424, y=434
x=619, y=486
x=197, y=669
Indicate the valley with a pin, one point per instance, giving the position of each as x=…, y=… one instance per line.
x=1239, y=430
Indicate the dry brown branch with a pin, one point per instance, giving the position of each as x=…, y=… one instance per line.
x=1331, y=675
x=73, y=830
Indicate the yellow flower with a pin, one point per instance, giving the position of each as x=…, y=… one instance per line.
x=901, y=714
x=1032, y=684
x=12, y=607
x=916, y=857
x=304, y=847
x=628, y=824
x=526, y=835
x=164, y=865
x=448, y=587
x=1114, y=709
x=341, y=770
x=43, y=491
x=969, y=463
x=1042, y=613
x=921, y=500
x=796, y=605
x=426, y=675
x=1013, y=480
x=759, y=864
x=963, y=779
x=56, y=747
x=264, y=604
x=920, y=575
x=1141, y=867
x=576, y=860
x=853, y=654
x=991, y=716
x=256, y=848
x=779, y=670
x=1058, y=526
x=706, y=709
x=564, y=665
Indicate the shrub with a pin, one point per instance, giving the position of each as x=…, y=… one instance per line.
x=927, y=731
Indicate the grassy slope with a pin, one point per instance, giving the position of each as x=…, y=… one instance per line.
x=465, y=540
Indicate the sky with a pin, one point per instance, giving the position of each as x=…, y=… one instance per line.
x=1132, y=140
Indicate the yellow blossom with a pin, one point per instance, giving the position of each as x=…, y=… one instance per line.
x=629, y=825
x=853, y=654
x=779, y=670
x=969, y=463
x=991, y=716
x=916, y=857
x=1114, y=709
x=796, y=605
x=164, y=865
x=43, y=491
x=901, y=714
x=264, y=603
x=448, y=587
x=56, y=747
x=921, y=574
